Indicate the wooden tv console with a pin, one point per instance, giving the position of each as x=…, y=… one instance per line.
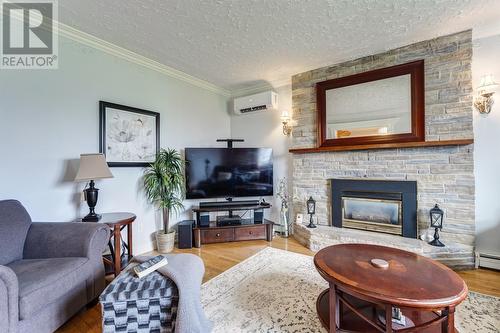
x=247, y=230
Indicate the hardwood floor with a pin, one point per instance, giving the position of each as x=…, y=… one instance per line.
x=485, y=281
x=220, y=257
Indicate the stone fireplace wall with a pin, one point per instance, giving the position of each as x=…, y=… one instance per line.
x=444, y=175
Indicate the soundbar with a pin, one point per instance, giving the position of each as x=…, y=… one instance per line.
x=229, y=203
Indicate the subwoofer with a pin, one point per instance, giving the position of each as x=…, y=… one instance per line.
x=185, y=234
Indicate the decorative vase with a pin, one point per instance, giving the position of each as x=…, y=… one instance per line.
x=165, y=241
x=285, y=226
x=282, y=194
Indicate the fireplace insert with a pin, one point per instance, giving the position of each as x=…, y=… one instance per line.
x=375, y=205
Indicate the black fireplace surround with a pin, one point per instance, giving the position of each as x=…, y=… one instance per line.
x=404, y=191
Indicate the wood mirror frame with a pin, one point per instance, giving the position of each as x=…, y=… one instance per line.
x=416, y=71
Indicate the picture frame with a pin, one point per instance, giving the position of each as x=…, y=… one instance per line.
x=128, y=136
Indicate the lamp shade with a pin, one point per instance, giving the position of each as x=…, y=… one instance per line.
x=285, y=116
x=487, y=81
x=92, y=166
x=487, y=84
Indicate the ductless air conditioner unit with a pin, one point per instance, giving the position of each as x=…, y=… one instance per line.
x=267, y=100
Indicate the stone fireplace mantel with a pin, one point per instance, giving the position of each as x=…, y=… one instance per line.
x=454, y=255
x=442, y=166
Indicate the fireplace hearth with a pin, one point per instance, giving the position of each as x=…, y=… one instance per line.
x=384, y=206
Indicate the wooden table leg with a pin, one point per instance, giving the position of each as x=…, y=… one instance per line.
x=340, y=308
x=451, y=320
x=388, y=318
x=117, y=258
x=269, y=232
x=129, y=241
x=197, y=238
x=332, y=301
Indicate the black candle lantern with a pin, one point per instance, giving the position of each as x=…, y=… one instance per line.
x=311, y=210
x=436, y=215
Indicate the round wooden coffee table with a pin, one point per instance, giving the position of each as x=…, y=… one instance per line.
x=365, y=294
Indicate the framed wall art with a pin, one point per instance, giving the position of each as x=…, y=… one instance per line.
x=129, y=137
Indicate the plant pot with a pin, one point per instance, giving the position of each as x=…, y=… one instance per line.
x=165, y=241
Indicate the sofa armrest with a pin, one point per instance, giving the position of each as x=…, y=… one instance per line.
x=65, y=239
x=9, y=298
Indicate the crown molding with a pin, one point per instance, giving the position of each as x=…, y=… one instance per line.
x=118, y=51
x=485, y=30
x=123, y=53
x=261, y=87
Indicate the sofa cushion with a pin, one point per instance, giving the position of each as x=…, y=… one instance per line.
x=14, y=224
x=43, y=281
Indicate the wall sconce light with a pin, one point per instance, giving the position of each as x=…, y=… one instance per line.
x=285, y=120
x=484, y=99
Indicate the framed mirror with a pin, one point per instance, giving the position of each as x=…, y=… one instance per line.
x=376, y=107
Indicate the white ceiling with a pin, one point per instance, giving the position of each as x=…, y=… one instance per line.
x=242, y=43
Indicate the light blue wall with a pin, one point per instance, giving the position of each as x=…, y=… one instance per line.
x=486, y=149
x=49, y=117
x=264, y=129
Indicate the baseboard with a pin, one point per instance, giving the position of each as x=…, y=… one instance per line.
x=488, y=260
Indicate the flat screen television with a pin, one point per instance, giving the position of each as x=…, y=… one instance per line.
x=228, y=172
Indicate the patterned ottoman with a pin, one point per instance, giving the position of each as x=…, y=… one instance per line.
x=130, y=304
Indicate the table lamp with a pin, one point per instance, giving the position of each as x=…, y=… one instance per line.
x=92, y=166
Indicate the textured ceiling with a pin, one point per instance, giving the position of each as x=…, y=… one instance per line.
x=241, y=43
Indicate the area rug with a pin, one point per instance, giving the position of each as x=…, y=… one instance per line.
x=276, y=291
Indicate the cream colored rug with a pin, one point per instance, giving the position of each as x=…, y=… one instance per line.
x=276, y=291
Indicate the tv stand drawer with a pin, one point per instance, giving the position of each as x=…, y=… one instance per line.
x=242, y=232
x=249, y=233
x=217, y=235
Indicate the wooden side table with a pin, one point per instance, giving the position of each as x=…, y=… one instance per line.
x=364, y=292
x=117, y=222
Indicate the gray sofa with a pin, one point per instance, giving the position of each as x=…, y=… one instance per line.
x=48, y=271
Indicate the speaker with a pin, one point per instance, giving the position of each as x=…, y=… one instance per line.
x=258, y=216
x=204, y=219
x=185, y=234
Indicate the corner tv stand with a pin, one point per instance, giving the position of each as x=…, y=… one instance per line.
x=245, y=229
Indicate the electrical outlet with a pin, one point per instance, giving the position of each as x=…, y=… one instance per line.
x=82, y=196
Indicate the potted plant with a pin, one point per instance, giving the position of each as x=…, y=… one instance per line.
x=164, y=188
